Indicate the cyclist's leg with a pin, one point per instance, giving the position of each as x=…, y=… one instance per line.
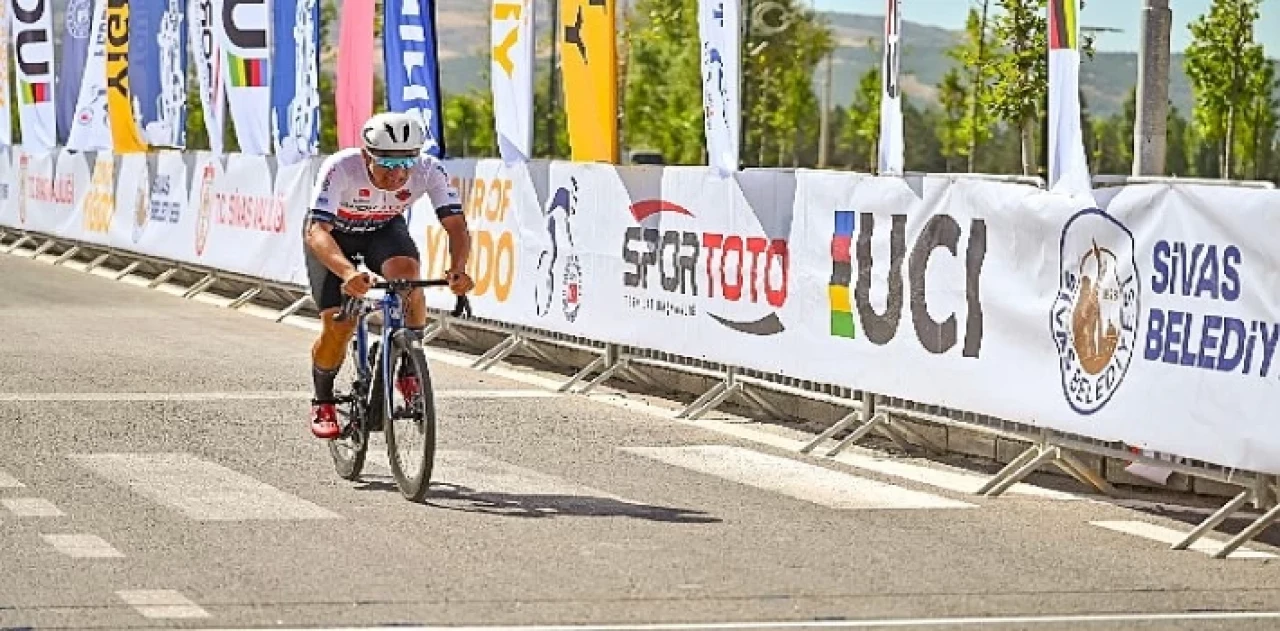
x=330, y=348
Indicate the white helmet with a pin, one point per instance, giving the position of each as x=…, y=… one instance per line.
x=394, y=132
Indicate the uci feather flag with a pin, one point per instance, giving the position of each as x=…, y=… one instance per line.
x=1068, y=169
x=892, y=143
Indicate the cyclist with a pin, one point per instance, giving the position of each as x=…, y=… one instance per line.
x=357, y=207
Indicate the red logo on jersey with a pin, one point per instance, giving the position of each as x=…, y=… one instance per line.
x=403, y=194
x=364, y=192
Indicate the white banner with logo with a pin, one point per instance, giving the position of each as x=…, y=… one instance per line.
x=8, y=189
x=718, y=22
x=169, y=226
x=33, y=59
x=511, y=76
x=97, y=207
x=243, y=226
x=242, y=34
x=131, y=208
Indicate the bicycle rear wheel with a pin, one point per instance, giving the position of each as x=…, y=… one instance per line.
x=348, y=450
x=410, y=425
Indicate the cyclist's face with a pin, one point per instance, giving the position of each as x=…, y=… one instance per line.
x=387, y=177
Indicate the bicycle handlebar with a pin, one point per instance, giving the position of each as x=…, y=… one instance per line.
x=351, y=305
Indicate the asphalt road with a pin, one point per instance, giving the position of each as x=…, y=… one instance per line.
x=157, y=471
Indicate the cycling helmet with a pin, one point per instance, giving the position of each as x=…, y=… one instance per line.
x=393, y=132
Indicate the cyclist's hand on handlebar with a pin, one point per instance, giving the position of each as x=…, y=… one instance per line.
x=459, y=282
x=356, y=284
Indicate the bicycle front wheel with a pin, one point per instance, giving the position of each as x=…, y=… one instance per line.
x=410, y=426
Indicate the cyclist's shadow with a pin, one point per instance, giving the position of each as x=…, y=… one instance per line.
x=456, y=497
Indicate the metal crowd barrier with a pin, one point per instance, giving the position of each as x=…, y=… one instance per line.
x=865, y=412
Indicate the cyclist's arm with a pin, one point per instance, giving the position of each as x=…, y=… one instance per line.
x=325, y=197
x=448, y=206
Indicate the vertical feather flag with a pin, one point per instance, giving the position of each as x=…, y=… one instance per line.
x=892, y=142
x=355, y=62
x=34, y=61
x=1068, y=168
x=295, y=84
x=410, y=57
x=511, y=76
x=125, y=134
x=589, y=58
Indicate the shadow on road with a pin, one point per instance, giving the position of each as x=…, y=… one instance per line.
x=460, y=498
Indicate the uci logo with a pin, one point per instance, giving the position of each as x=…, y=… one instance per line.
x=1095, y=314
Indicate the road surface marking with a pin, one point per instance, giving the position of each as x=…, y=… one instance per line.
x=1170, y=536
x=270, y=395
x=161, y=604
x=9, y=482
x=83, y=546
x=819, y=485
x=471, y=472
x=993, y=621
x=31, y=507
x=200, y=489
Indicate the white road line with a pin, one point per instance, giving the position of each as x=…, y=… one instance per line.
x=82, y=546
x=200, y=489
x=827, y=487
x=9, y=482
x=1022, y=621
x=1170, y=536
x=31, y=507
x=161, y=604
x=10, y=397
x=481, y=474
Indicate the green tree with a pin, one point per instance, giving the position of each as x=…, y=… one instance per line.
x=860, y=131
x=1019, y=95
x=1221, y=59
x=663, y=93
x=950, y=130
x=966, y=96
x=1177, y=149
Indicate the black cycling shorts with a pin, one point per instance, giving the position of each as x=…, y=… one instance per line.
x=376, y=247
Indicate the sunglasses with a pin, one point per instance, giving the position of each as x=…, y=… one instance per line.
x=395, y=163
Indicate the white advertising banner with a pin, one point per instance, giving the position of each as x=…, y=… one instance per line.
x=97, y=207
x=292, y=191
x=244, y=223
x=8, y=189
x=33, y=57
x=169, y=226
x=511, y=35
x=718, y=22
x=132, y=215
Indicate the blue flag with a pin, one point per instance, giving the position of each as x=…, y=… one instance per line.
x=295, y=80
x=157, y=69
x=412, y=65
x=75, y=49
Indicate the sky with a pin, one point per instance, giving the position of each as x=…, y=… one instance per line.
x=1122, y=14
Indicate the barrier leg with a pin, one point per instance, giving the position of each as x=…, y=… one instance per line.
x=1045, y=455
x=714, y=397
x=500, y=352
x=128, y=269
x=878, y=420
x=44, y=247
x=910, y=433
x=1076, y=469
x=245, y=297
x=17, y=244
x=65, y=256
x=849, y=420
x=614, y=366
x=293, y=308
x=763, y=405
x=1212, y=522
x=433, y=331
x=595, y=364
x=201, y=285
x=102, y=258
x=1008, y=470
x=1246, y=535
x=164, y=276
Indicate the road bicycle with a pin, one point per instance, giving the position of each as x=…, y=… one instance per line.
x=369, y=405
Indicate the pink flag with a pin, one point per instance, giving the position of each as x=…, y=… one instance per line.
x=354, y=92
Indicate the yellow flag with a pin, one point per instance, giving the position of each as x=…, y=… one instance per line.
x=125, y=134
x=589, y=59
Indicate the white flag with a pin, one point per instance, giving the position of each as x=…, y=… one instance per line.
x=32, y=23
x=243, y=28
x=512, y=77
x=1068, y=169
x=891, y=133
x=207, y=54
x=90, y=127
x=718, y=23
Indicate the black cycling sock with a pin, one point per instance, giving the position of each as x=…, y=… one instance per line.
x=323, y=380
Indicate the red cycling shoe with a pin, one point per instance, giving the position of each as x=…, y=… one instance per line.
x=324, y=420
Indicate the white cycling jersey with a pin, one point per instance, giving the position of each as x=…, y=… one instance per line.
x=345, y=196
